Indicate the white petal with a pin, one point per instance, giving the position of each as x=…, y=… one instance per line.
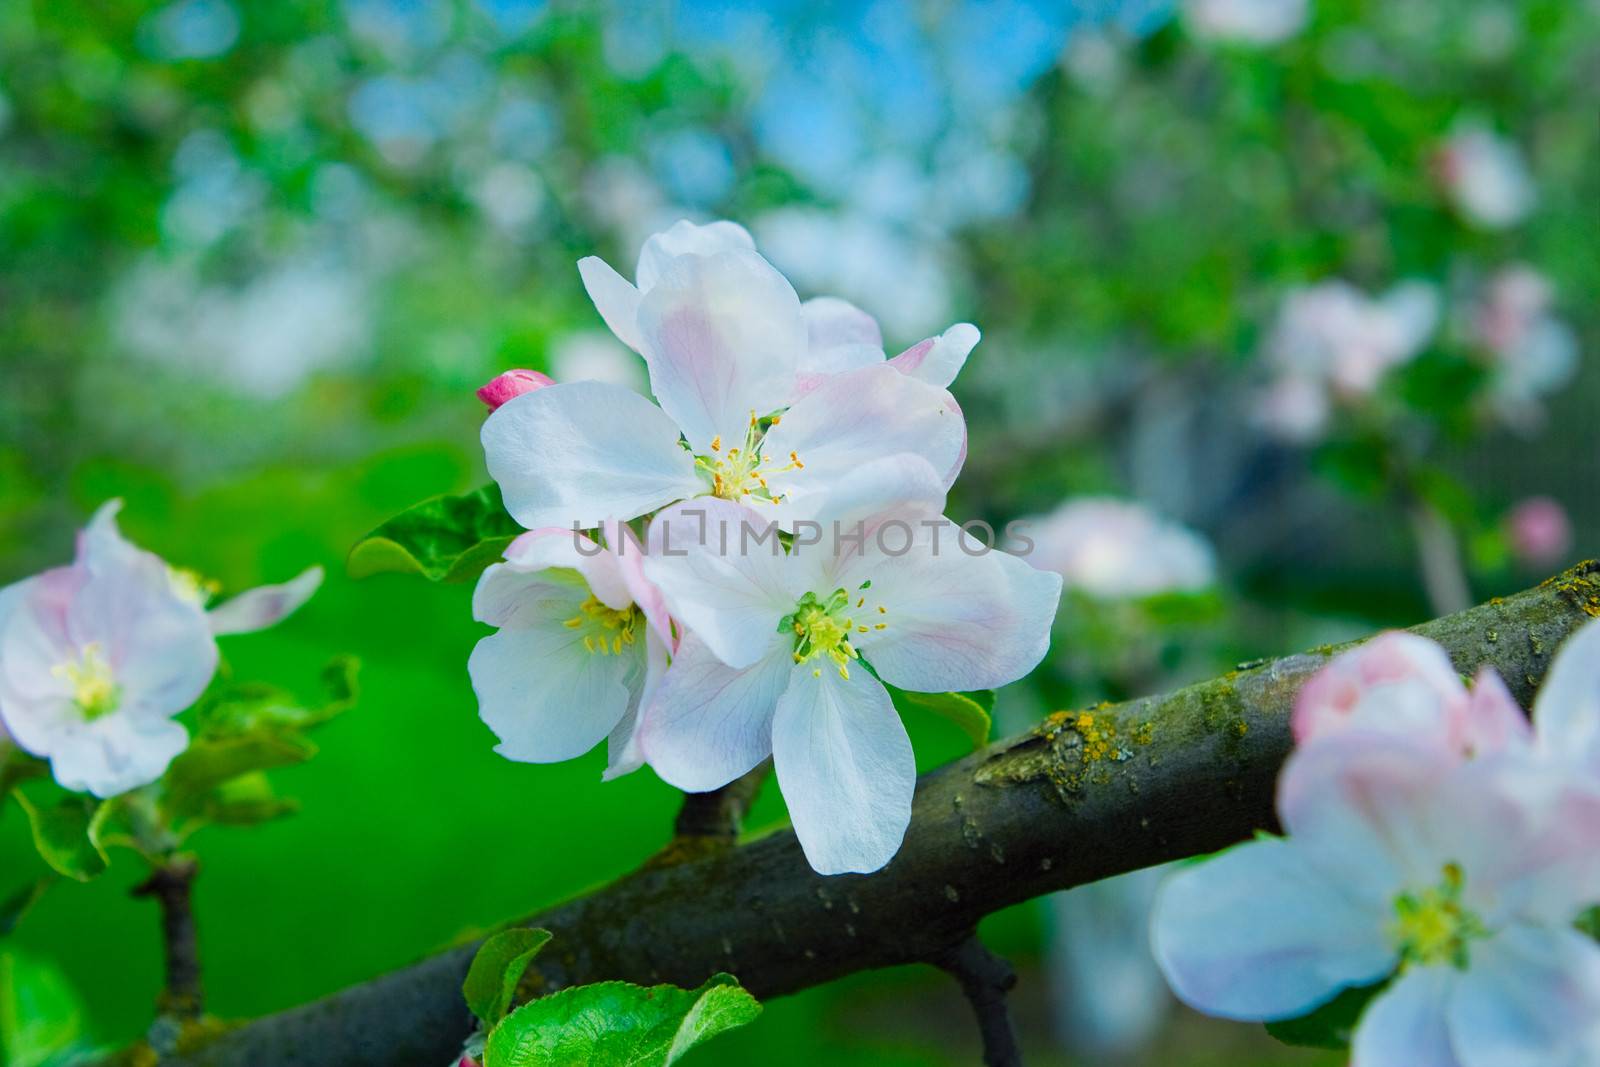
x=684, y=238
x=1494, y=720
x=845, y=766
x=853, y=419
x=1405, y=1025
x=951, y=621
x=938, y=360
x=630, y=557
x=724, y=337
x=509, y=596
x=624, y=754
x=729, y=590
x=841, y=337
x=1530, y=996
x=614, y=297
x=709, y=723
x=1566, y=713
x=583, y=452
x=117, y=753
x=546, y=696
x=1259, y=933
x=599, y=565
x=264, y=606
x=900, y=487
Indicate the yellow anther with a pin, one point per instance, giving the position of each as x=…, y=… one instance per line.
x=608, y=629
x=882, y=610
x=716, y=443
x=94, y=690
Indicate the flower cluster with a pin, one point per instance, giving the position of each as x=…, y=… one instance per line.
x=98, y=656
x=1438, y=845
x=706, y=624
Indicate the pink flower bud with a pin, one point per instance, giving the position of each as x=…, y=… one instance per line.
x=468, y=1061
x=513, y=383
x=1541, y=533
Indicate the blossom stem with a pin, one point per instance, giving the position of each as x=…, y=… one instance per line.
x=985, y=979
x=172, y=885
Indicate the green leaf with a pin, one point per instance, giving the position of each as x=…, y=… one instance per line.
x=61, y=834
x=970, y=711
x=13, y=908
x=1331, y=1025
x=251, y=707
x=243, y=801
x=612, y=1024
x=16, y=767
x=40, y=1013
x=210, y=762
x=497, y=968
x=446, y=539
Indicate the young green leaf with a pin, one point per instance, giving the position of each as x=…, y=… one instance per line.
x=497, y=968
x=14, y=907
x=41, y=1017
x=210, y=762
x=61, y=834
x=231, y=708
x=969, y=711
x=1331, y=1025
x=612, y=1024
x=446, y=539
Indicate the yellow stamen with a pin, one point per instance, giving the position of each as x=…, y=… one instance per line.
x=94, y=690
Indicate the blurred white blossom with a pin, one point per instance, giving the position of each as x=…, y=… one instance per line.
x=1119, y=549
x=1246, y=21
x=1532, y=352
x=1486, y=177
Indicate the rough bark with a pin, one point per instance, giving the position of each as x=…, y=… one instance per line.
x=1083, y=796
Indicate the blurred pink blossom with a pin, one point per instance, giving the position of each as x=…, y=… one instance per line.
x=1532, y=352
x=1486, y=177
x=1540, y=532
x=512, y=384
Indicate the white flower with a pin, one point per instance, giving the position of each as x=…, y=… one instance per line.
x=1532, y=352
x=581, y=639
x=1430, y=844
x=786, y=651
x=1118, y=549
x=1331, y=342
x=1258, y=22
x=1486, y=177
x=97, y=657
x=729, y=349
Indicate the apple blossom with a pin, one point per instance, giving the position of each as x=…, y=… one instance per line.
x=1566, y=713
x=581, y=639
x=1259, y=22
x=1331, y=342
x=1540, y=531
x=1486, y=178
x=97, y=657
x=787, y=653
x=1115, y=549
x=726, y=339
x=512, y=383
x=1531, y=352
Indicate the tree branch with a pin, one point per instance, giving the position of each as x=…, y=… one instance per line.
x=1081, y=797
x=171, y=883
x=718, y=816
x=985, y=980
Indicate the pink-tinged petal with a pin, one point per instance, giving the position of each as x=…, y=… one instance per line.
x=1566, y=713
x=850, y=420
x=1406, y=1025
x=845, y=766
x=708, y=723
x=510, y=385
x=267, y=605
x=582, y=452
x=102, y=550
x=724, y=338
x=841, y=338
x=950, y=620
x=508, y=596
x=684, y=238
x=1397, y=683
x=1494, y=721
x=1531, y=995
x=624, y=754
x=727, y=587
x=600, y=566
x=158, y=643
x=1259, y=932
x=546, y=696
x=938, y=360
x=615, y=298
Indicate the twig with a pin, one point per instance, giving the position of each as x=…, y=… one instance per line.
x=1027, y=816
x=985, y=980
x=719, y=815
x=172, y=884
x=1439, y=553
